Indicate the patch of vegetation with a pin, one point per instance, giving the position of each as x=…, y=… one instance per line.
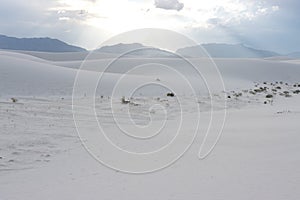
x=170, y=94
x=14, y=100
x=252, y=92
x=238, y=94
x=269, y=96
x=125, y=101
x=296, y=92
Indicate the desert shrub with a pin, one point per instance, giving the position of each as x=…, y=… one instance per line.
x=296, y=92
x=252, y=92
x=238, y=94
x=14, y=100
x=269, y=96
x=125, y=101
x=170, y=94
x=286, y=92
x=258, y=90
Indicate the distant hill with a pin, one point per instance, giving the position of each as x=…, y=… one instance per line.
x=136, y=50
x=295, y=55
x=37, y=44
x=225, y=51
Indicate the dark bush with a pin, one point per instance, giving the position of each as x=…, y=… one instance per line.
x=296, y=92
x=14, y=100
x=258, y=90
x=269, y=96
x=170, y=94
x=286, y=92
x=125, y=101
x=251, y=92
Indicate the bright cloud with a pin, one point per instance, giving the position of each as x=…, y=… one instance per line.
x=169, y=4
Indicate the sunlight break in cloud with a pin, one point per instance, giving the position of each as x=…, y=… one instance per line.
x=116, y=16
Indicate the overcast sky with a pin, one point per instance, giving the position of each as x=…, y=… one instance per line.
x=265, y=24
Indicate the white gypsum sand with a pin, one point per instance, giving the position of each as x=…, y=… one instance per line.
x=42, y=157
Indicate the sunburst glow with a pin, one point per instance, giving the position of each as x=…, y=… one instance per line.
x=116, y=16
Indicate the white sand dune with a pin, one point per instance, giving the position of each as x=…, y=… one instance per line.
x=20, y=76
x=16, y=54
x=27, y=75
x=42, y=157
x=60, y=57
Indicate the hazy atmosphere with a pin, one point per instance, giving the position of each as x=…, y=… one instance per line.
x=149, y=100
x=264, y=24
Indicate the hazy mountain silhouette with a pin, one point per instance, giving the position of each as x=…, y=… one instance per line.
x=37, y=44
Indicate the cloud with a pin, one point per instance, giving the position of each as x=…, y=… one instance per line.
x=234, y=15
x=169, y=4
x=275, y=8
x=76, y=15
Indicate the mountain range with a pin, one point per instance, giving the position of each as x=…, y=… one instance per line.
x=139, y=50
x=136, y=50
x=225, y=51
x=37, y=44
